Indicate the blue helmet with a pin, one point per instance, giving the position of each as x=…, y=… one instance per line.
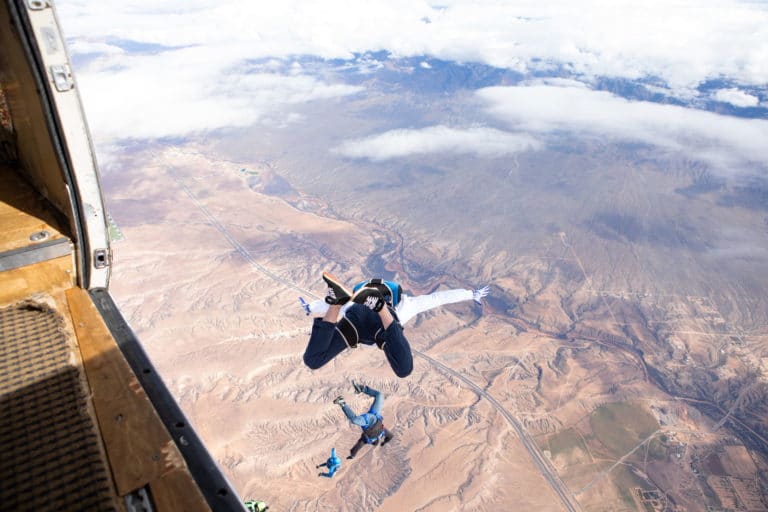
x=391, y=290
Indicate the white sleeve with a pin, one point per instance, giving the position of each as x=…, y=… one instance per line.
x=318, y=307
x=409, y=307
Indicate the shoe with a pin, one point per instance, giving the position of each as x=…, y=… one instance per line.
x=337, y=294
x=358, y=387
x=370, y=298
x=305, y=305
x=340, y=401
x=350, y=457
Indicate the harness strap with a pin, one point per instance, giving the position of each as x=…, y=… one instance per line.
x=374, y=432
x=380, y=342
x=348, y=331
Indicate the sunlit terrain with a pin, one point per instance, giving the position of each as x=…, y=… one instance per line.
x=618, y=362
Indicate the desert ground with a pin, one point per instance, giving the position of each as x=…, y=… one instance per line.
x=569, y=387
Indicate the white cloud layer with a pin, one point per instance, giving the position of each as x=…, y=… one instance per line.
x=723, y=140
x=194, y=80
x=480, y=141
x=736, y=97
x=682, y=42
x=188, y=90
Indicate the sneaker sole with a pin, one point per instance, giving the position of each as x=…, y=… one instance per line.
x=331, y=280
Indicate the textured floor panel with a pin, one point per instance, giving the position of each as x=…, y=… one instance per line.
x=49, y=447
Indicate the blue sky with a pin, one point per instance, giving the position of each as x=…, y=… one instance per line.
x=186, y=61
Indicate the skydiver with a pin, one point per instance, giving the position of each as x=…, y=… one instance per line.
x=371, y=422
x=367, y=316
x=330, y=336
x=333, y=464
x=408, y=307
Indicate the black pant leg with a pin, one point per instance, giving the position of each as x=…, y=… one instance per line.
x=325, y=343
x=359, y=444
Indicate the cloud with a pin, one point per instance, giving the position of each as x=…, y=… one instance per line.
x=682, y=43
x=722, y=140
x=194, y=74
x=85, y=47
x=480, y=141
x=736, y=97
x=182, y=91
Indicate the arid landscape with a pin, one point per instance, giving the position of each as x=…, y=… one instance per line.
x=600, y=166
x=616, y=365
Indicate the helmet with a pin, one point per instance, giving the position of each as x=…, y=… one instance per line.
x=391, y=290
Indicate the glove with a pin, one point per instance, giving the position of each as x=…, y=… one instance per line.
x=479, y=294
x=305, y=305
x=370, y=298
x=358, y=387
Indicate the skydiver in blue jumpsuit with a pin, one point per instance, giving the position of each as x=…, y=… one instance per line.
x=333, y=464
x=372, y=423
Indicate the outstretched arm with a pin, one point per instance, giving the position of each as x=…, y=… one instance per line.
x=318, y=307
x=412, y=306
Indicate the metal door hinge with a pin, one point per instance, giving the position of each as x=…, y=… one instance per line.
x=62, y=77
